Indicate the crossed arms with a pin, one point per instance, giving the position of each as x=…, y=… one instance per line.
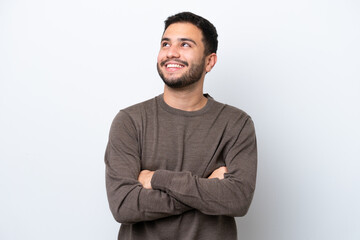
x=145, y=176
x=137, y=195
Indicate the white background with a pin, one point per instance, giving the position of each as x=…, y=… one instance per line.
x=67, y=67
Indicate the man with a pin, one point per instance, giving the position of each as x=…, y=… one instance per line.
x=181, y=165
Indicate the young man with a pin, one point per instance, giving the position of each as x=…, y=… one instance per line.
x=181, y=165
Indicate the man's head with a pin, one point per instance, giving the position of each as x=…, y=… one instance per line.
x=207, y=28
x=188, y=50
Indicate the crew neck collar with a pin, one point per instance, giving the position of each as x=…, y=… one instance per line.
x=166, y=107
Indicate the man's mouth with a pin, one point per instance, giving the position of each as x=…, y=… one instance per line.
x=174, y=65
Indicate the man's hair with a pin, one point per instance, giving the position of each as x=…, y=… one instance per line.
x=207, y=28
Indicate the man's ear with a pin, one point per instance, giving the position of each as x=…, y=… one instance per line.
x=210, y=62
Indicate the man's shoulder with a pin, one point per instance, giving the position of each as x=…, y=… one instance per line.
x=133, y=114
x=139, y=107
x=230, y=110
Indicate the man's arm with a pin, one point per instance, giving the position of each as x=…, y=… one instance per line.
x=145, y=176
x=129, y=201
x=230, y=196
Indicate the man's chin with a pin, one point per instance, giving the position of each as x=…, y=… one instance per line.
x=174, y=84
x=178, y=83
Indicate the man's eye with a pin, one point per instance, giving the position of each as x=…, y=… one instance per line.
x=185, y=45
x=165, y=44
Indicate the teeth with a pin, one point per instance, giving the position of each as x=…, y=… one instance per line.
x=174, y=65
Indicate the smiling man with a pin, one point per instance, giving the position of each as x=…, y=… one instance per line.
x=181, y=165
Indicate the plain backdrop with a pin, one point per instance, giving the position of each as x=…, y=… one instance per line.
x=67, y=67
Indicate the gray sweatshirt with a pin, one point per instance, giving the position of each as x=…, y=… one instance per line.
x=183, y=148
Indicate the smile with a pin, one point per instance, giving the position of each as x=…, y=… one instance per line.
x=174, y=65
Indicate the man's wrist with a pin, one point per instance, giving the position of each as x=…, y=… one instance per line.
x=161, y=179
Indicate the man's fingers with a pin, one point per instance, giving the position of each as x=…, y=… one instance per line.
x=145, y=177
x=219, y=173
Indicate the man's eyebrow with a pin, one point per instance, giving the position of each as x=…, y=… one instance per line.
x=165, y=39
x=180, y=39
x=188, y=40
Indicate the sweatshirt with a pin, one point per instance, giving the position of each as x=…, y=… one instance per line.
x=183, y=148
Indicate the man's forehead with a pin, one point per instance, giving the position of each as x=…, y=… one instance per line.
x=182, y=30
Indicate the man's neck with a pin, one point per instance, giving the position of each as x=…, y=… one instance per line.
x=188, y=99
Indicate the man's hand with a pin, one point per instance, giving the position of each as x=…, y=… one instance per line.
x=145, y=177
x=218, y=173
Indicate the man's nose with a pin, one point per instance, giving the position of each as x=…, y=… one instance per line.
x=173, y=52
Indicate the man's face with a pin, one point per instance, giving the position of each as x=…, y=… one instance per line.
x=181, y=60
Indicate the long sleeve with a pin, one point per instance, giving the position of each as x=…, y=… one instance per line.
x=232, y=195
x=129, y=201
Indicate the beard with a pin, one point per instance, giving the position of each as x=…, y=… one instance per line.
x=188, y=78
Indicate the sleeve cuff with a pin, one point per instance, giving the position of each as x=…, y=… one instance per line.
x=161, y=179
